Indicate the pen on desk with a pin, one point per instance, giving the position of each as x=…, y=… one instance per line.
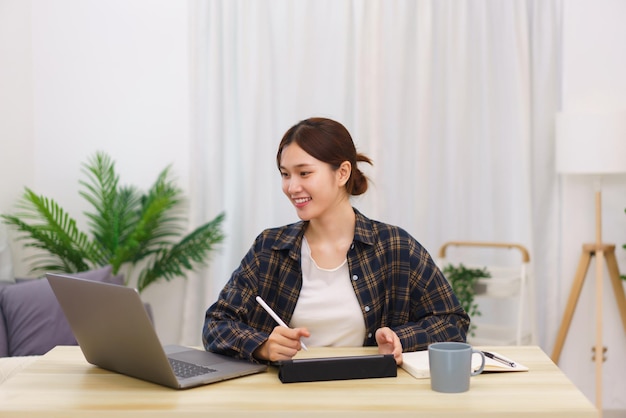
x=500, y=359
x=275, y=316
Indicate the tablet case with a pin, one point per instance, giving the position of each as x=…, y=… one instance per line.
x=337, y=368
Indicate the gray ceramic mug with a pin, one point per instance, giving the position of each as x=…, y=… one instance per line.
x=451, y=366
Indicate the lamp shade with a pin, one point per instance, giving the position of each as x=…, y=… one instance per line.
x=591, y=143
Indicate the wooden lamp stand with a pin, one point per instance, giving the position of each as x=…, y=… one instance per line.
x=601, y=251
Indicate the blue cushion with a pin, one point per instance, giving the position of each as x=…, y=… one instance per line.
x=33, y=317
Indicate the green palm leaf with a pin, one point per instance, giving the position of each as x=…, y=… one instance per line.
x=188, y=254
x=127, y=227
x=115, y=209
x=51, y=229
x=157, y=222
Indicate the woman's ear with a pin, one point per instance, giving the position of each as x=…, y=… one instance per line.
x=343, y=172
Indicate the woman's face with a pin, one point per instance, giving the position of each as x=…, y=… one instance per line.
x=312, y=186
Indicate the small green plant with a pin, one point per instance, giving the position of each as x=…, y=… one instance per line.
x=126, y=228
x=464, y=281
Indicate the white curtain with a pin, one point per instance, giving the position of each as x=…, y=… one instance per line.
x=453, y=100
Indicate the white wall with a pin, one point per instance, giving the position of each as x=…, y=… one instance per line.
x=16, y=100
x=594, y=78
x=78, y=76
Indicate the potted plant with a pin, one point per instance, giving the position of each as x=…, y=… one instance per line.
x=126, y=227
x=465, y=285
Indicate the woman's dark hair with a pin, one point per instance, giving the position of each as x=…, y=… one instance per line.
x=328, y=141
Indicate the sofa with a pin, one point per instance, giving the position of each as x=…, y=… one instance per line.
x=32, y=321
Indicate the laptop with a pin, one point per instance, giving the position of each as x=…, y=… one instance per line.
x=114, y=332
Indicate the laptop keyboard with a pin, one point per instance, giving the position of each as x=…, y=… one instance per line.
x=184, y=370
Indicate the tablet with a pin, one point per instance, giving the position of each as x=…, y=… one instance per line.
x=337, y=368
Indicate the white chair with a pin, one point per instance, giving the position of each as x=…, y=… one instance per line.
x=507, y=304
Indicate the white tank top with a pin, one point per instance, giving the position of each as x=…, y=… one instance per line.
x=328, y=306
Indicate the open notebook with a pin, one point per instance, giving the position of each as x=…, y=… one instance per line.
x=416, y=363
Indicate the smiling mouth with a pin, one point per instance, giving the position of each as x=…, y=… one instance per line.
x=301, y=200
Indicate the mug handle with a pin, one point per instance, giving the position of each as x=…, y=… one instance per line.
x=482, y=364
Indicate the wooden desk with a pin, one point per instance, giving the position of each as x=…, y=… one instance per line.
x=62, y=383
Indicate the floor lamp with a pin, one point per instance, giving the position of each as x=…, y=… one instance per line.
x=592, y=144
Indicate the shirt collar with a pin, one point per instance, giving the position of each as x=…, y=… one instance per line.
x=291, y=235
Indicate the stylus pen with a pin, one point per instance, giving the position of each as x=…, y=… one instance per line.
x=276, y=317
x=500, y=359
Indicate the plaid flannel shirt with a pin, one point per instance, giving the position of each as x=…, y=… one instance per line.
x=395, y=280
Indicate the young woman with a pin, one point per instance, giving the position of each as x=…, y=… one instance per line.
x=336, y=277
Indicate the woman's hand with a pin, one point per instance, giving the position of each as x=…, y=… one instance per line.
x=389, y=343
x=282, y=344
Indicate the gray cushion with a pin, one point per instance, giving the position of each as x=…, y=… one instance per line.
x=6, y=260
x=33, y=318
x=4, y=345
